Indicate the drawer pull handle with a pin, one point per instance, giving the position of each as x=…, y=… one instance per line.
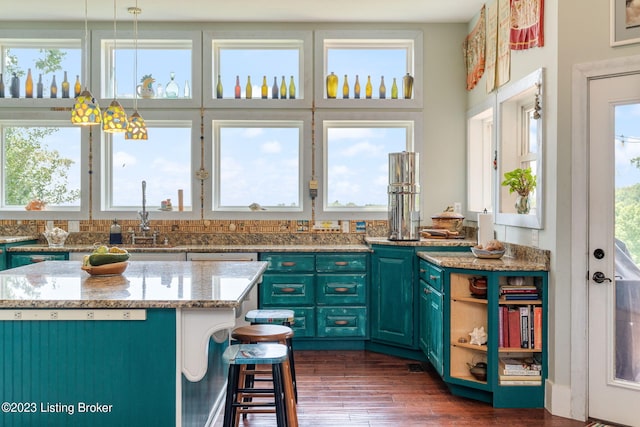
x=341, y=289
x=341, y=263
x=433, y=277
x=427, y=291
x=422, y=270
x=341, y=322
x=288, y=263
x=288, y=290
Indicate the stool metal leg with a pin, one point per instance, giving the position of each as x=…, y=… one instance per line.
x=278, y=393
x=229, y=407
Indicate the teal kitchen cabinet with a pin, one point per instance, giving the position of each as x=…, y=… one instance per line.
x=431, y=315
x=4, y=254
x=16, y=259
x=326, y=291
x=393, y=296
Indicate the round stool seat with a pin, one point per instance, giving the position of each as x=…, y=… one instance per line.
x=262, y=333
x=271, y=316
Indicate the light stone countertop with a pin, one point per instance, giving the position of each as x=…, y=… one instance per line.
x=422, y=242
x=16, y=239
x=200, y=248
x=145, y=284
x=466, y=260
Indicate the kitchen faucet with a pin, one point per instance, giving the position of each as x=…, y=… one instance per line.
x=144, y=221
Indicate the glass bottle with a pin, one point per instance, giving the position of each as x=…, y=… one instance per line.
x=264, y=90
x=219, y=88
x=249, y=89
x=283, y=89
x=274, y=88
x=356, y=88
x=237, y=89
x=394, y=89
x=159, y=91
x=292, y=89
x=1, y=86
x=368, y=90
x=345, y=88
x=332, y=86
x=53, y=90
x=15, y=86
x=187, y=89
x=407, y=86
x=39, y=86
x=172, y=89
x=383, y=88
x=28, y=86
x=77, y=87
x=65, y=86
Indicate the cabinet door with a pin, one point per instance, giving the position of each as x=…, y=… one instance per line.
x=424, y=318
x=392, y=296
x=287, y=290
x=435, y=321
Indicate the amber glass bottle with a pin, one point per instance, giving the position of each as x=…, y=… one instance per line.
x=77, y=87
x=28, y=85
x=65, y=86
x=53, y=90
x=238, y=89
x=368, y=90
x=394, y=89
x=383, y=88
x=356, y=88
x=332, y=86
x=407, y=86
x=345, y=88
x=248, y=89
x=292, y=89
x=283, y=89
x=264, y=89
x=219, y=88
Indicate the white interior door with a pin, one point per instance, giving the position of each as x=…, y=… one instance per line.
x=614, y=249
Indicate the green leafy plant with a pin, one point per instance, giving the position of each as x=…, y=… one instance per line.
x=520, y=181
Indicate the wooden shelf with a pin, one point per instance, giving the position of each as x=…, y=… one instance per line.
x=518, y=350
x=470, y=299
x=468, y=378
x=503, y=301
x=475, y=347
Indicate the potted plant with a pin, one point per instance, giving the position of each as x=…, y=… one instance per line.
x=523, y=182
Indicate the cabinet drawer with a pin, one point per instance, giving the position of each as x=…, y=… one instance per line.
x=341, y=289
x=287, y=289
x=289, y=262
x=431, y=274
x=341, y=262
x=342, y=321
x=304, y=322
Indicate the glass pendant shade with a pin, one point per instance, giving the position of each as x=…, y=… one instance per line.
x=86, y=111
x=136, y=128
x=114, y=118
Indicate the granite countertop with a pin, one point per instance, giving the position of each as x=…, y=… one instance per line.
x=145, y=284
x=467, y=260
x=200, y=248
x=420, y=243
x=16, y=239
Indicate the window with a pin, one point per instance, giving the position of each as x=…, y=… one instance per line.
x=480, y=152
x=258, y=161
x=41, y=160
x=165, y=162
x=356, y=164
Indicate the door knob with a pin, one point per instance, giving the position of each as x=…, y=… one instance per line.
x=599, y=277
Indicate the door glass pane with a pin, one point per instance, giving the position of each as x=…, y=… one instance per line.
x=627, y=233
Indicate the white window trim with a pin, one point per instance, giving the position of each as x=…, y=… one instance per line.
x=411, y=40
x=381, y=119
x=211, y=185
x=214, y=40
x=476, y=120
x=51, y=118
x=102, y=162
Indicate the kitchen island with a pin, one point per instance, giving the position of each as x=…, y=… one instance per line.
x=141, y=348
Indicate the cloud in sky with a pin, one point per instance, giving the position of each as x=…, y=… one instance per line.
x=271, y=147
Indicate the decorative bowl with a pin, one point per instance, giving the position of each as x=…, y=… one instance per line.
x=481, y=253
x=112, y=269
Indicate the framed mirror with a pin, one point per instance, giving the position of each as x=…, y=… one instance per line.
x=519, y=149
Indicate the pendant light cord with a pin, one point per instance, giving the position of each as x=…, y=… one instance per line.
x=135, y=57
x=86, y=45
x=115, y=51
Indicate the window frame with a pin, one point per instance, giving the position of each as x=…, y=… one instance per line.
x=215, y=40
x=349, y=119
x=102, y=183
x=211, y=186
x=370, y=39
x=477, y=119
x=45, y=119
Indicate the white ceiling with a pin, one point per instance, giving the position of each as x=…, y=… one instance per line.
x=436, y=11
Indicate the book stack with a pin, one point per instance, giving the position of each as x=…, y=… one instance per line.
x=519, y=292
x=520, y=326
x=520, y=371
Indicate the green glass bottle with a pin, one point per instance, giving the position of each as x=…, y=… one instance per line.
x=283, y=89
x=345, y=88
x=219, y=88
x=274, y=88
x=248, y=89
x=332, y=86
x=394, y=89
x=407, y=85
x=356, y=88
x=264, y=89
x=1, y=86
x=65, y=86
x=368, y=90
x=39, y=87
x=292, y=89
x=383, y=88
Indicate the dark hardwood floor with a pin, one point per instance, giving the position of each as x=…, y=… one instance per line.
x=360, y=388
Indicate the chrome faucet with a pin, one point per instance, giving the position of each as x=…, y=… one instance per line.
x=144, y=215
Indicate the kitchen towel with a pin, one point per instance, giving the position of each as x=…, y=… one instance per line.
x=485, y=228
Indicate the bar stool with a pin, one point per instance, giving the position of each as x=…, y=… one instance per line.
x=238, y=356
x=278, y=334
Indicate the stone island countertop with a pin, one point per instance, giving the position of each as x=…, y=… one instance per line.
x=467, y=260
x=200, y=248
x=145, y=284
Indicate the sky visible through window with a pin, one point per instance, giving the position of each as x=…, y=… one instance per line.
x=263, y=167
x=627, y=118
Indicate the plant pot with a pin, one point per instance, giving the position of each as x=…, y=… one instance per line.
x=523, y=204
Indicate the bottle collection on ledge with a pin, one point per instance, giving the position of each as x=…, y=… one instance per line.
x=14, y=87
x=332, y=87
x=281, y=91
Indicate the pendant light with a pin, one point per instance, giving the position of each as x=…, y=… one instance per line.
x=136, y=129
x=114, y=118
x=86, y=111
